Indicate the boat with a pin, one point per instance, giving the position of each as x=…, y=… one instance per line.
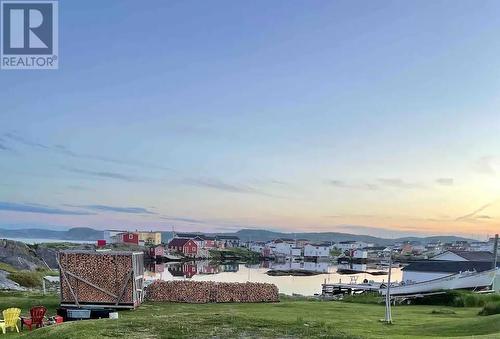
x=293, y=272
x=462, y=280
x=348, y=271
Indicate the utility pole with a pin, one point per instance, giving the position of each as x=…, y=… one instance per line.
x=495, y=252
x=495, y=258
x=388, y=314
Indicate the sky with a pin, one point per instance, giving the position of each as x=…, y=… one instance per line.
x=369, y=117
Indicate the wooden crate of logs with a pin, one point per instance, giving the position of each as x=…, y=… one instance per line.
x=211, y=292
x=101, y=278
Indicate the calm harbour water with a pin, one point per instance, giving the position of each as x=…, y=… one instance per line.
x=308, y=285
x=233, y=272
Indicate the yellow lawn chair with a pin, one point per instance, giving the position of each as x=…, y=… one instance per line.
x=10, y=319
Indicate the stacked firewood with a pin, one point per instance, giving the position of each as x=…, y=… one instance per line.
x=208, y=291
x=109, y=272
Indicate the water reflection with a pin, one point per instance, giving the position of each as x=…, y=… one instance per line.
x=234, y=272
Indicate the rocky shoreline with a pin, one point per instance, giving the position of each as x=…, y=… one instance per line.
x=27, y=257
x=7, y=284
x=18, y=256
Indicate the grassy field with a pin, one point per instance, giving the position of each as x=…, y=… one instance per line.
x=289, y=318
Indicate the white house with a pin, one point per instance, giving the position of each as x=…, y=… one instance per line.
x=317, y=250
x=480, y=246
x=347, y=245
x=352, y=245
x=111, y=235
x=284, y=248
x=465, y=256
x=256, y=247
x=296, y=251
x=360, y=254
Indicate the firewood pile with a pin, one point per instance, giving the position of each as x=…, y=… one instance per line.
x=208, y=291
x=94, y=277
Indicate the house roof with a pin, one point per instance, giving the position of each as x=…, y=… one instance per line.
x=228, y=237
x=448, y=266
x=178, y=242
x=187, y=235
x=473, y=256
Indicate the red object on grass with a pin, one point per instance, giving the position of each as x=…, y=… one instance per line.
x=58, y=319
x=101, y=243
x=37, y=315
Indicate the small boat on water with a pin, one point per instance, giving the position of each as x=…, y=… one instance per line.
x=293, y=272
x=345, y=271
x=462, y=280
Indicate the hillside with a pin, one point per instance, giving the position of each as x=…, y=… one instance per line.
x=264, y=235
x=85, y=233
x=77, y=233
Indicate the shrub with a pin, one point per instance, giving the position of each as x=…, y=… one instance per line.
x=364, y=298
x=26, y=278
x=458, y=298
x=490, y=308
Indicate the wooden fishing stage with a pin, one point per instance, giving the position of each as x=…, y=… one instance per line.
x=328, y=290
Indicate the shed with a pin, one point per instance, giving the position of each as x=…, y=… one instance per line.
x=113, y=279
x=433, y=269
x=465, y=256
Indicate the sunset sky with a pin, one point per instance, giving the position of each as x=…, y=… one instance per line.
x=370, y=117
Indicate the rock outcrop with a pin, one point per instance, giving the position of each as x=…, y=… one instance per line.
x=7, y=284
x=19, y=255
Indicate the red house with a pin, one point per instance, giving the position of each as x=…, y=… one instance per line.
x=185, y=246
x=210, y=242
x=129, y=238
x=189, y=270
x=157, y=251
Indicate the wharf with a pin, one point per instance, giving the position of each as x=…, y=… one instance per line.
x=350, y=288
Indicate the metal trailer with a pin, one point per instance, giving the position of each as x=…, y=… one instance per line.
x=101, y=279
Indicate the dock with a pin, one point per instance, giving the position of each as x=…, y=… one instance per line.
x=353, y=287
x=340, y=288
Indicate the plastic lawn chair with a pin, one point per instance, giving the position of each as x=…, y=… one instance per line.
x=10, y=319
x=37, y=314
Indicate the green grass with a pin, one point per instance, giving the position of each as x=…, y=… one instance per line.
x=7, y=268
x=55, y=245
x=287, y=319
